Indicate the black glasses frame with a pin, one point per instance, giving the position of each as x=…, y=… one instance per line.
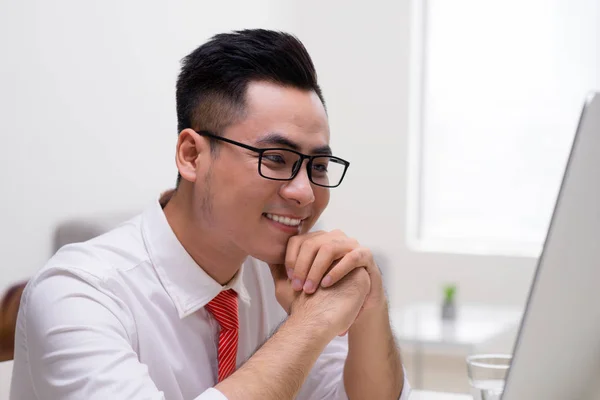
x=295, y=169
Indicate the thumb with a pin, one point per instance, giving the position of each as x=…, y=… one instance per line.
x=358, y=315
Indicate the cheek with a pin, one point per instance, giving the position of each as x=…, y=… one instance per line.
x=244, y=200
x=241, y=194
x=235, y=183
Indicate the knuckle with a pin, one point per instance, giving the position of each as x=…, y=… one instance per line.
x=294, y=240
x=309, y=244
x=327, y=248
x=366, y=253
x=339, y=240
x=356, y=255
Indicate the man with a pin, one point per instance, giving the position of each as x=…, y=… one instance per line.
x=175, y=303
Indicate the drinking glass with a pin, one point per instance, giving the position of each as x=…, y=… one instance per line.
x=487, y=375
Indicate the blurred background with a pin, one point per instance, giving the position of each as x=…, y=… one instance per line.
x=457, y=117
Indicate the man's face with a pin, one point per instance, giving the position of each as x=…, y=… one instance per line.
x=246, y=210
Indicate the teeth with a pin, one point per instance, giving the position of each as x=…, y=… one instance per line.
x=284, y=220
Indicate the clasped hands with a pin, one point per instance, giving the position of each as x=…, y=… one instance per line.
x=330, y=275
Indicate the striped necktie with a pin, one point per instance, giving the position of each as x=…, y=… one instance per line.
x=224, y=309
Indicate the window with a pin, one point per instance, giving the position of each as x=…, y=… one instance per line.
x=497, y=88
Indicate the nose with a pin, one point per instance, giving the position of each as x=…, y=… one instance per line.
x=299, y=189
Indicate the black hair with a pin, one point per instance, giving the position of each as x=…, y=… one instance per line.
x=212, y=84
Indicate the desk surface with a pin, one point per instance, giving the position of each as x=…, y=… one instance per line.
x=475, y=323
x=425, y=395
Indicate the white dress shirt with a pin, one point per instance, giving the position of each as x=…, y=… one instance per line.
x=122, y=317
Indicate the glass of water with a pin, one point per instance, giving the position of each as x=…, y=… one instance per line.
x=487, y=374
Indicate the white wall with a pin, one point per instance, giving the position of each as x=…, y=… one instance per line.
x=88, y=123
x=87, y=108
x=361, y=51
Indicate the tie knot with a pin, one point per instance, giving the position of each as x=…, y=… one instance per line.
x=224, y=308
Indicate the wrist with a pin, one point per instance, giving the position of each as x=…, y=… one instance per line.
x=314, y=326
x=370, y=318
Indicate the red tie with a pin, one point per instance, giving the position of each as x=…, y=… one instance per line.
x=224, y=308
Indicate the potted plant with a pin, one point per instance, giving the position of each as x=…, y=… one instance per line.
x=449, y=303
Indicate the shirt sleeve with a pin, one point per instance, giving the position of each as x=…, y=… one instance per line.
x=76, y=343
x=326, y=378
x=211, y=394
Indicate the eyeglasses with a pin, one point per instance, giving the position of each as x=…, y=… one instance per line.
x=281, y=164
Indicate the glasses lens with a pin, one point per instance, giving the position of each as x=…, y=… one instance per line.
x=279, y=164
x=283, y=164
x=327, y=170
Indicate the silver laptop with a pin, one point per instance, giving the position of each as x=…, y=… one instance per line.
x=557, y=351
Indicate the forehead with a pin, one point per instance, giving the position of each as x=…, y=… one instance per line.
x=296, y=114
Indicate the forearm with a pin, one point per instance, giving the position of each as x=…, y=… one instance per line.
x=373, y=368
x=280, y=367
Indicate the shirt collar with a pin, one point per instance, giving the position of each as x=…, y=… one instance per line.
x=186, y=283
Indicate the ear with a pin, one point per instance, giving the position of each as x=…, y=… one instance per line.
x=191, y=147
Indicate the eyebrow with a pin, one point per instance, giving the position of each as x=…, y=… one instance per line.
x=280, y=140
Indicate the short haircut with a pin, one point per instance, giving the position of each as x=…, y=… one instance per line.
x=212, y=84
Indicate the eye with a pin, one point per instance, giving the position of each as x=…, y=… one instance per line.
x=321, y=168
x=275, y=158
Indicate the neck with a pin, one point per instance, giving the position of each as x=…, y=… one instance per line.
x=212, y=251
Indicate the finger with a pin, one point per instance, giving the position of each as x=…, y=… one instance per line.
x=326, y=256
x=293, y=248
x=308, y=251
x=306, y=255
x=359, y=257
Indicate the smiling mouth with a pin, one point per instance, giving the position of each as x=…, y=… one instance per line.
x=293, y=222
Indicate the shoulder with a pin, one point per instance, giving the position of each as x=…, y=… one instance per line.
x=101, y=257
x=90, y=267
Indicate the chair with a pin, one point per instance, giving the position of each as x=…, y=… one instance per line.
x=9, y=308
